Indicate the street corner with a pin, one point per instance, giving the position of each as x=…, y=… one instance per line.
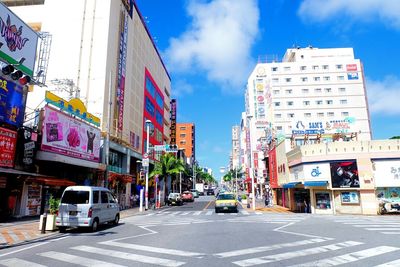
x=274, y=209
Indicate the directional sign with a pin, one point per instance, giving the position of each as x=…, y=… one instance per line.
x=145, y=162
x=159, y=148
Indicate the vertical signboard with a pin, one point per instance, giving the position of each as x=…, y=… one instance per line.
x=18, y=39
x=122, y=69
x=173, y=122
x=26, y=149
x=12, y=103
x=8, y=140
x=128, y=6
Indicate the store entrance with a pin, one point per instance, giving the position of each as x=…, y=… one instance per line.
x=302, y=200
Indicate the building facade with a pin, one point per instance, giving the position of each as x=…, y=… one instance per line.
x=235, y=147
x=186, y=139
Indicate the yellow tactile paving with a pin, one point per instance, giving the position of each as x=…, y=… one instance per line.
x=19, y=233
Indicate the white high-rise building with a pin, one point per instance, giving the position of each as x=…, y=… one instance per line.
x=235, y=147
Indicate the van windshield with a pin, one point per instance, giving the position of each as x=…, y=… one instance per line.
x=75, y=197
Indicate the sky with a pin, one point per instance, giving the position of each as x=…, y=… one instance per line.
x=210, y=48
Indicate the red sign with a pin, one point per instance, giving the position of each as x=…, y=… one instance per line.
x=351, y=67
x=8, y=140
x=273, y=172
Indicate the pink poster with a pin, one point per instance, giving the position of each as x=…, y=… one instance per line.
x=65, y=135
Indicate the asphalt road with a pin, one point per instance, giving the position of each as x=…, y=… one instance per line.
x=193, y=235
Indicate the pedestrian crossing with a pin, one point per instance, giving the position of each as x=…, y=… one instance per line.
x=207, y=212
x=328, y=251
x=383, y=225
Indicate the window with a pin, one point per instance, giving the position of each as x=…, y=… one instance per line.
x=75, y=197
x=303, y=68
x=290, y=103
x=318, y=90
x=183, y=128
x=159, y=118
x=339, y=66
x=307, y=115
x=182, y=142
x=304, y=91
x=277, y=104
x=327, y=78
x=343, y=101
x=274, y=68
x=279, y=128
x=316, y=79
x=289, y=91
x=325, y=67
x=290, y=115
x=104, y=197
x=342, y=90
x=288, y=80
x=275, y=80
x=320, y=114
x=331, y=114
x=315, y=67
x=278, y=115
x=306, y=103
x=149, y=107
x=304, y=79
x=110, y=198
x=345, y=114
x=96, y=196
x=150, y=87
x=340, y=78
x=159, y=136
x=329, y=102
x=328, y=90
x=276, y=92
x=318, y=102
x=159, y=100
x=286, y=68
x=182, y=135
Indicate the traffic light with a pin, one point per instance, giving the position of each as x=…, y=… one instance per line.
x=24, y=80
x=16, y=75
x=7, y=69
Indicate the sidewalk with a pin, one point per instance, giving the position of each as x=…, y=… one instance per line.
x=27, y=230
x=260, y=206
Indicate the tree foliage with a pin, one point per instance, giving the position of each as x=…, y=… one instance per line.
x=168, y=165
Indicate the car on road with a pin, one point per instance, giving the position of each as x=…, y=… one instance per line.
x=210, y=191
x=226, y=202
x=174, y=199
x=86, y=206
x=195, y=193
x=187, y=196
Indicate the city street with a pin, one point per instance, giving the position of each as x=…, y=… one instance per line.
x=193, y=235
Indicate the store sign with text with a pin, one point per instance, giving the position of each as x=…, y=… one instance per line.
x=62, y=134
x=387, y=173
x=12, y=103
x=8, y=142
x=345, y=125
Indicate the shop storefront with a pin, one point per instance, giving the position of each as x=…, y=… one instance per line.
x=387, y=182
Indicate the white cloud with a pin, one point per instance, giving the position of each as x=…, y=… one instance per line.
x=383, y=96
x=364, y=10
x=181, y=88
x=218, y=41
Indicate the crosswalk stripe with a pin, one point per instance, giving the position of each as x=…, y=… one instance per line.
x=382, y=223
x=258, y=212
x=394, y=263
x=209, y=212
x=130, y=256
x=295, y=254
x=391, y=233
x=77, y=259
x=197, y=213
x=152, y=249
x=377, y=225
x=350, y=257
x=272, y=247
x=380, y=229
x=20, y=263
x=244, y=212
x=185, y=213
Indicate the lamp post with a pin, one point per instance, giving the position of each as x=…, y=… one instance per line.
x=148, y=122
x=251, y=166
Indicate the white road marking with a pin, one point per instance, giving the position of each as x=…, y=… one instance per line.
x=272, y=247
x=378, y=225
x=394, y=263
x=244, y=212
x=20, y=263
x=130, y=256
x=296, y=254
x=22, y=249
x=153, y=249
x=382, y=229
x=391, y=233
x=197, y=213
x=209, y=212
x=350, y=257
x=77, y=259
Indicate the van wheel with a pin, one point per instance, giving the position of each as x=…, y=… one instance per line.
x=95, y=225
x=116, y=220
x=62, y=229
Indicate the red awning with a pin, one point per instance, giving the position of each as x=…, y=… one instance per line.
x=51, y=181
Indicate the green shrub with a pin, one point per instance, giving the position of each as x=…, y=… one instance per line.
x=244, y=196
x=53, y=204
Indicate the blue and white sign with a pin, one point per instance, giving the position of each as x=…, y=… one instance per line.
x=352, y=75
x=316, y=172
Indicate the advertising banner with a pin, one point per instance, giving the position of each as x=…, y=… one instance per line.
x=388, y=193
x=19, y=41
x=8, y=141
x=346, y=125
x=173, y=122
x=12, y=103
x=26, y=149
x=344, y=174
x=387, y=173
x=122, y=71
x=65, y=135
x=350, y=197
x=316, y=172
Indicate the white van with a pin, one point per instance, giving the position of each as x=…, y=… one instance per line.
x=86, y=206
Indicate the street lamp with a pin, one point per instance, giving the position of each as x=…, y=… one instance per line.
x=251, y=166
x=148, y=122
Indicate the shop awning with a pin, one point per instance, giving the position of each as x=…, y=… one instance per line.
x=290, y=185
x=51, y=181
x=316, y=183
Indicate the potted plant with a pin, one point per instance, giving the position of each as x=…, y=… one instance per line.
x=244, y=199
x=51, y=217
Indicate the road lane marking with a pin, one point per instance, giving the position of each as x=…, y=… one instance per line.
x=209, y=212
x=296, y=254
x=244, y=212
x=382, y=229
x=208, y=204
x=350, y=257
x=130, y=256
x=20, y=263
x=185, y=213
x=22, y=249
x=77, y=259
x=394, y=263
x=391, y=233
x=153, y=249
x=197, y=212
x=269, y=248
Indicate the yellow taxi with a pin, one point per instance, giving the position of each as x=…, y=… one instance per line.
x=226, y=202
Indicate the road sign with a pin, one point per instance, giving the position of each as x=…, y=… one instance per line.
x=159, y=148
x=145, y=156
x=145, y=162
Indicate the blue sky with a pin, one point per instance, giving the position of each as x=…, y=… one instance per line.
x=211, y=46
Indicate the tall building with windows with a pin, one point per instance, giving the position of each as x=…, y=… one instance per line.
x=186, y=139
x=235, y=147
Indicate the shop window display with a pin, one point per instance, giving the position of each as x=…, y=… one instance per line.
x=322, y=200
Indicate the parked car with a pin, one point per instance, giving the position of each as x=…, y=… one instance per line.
x=174, y=199
x=226, y=202
x=87, y=206
x=195, y=193
x=187, y=196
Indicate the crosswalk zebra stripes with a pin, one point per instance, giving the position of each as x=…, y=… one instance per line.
x=384, y=225
x=118, y=254
x=201, y=213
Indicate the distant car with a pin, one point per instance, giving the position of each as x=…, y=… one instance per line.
x=226, y=202
x=187, y=196
x=174, y=199
x=195, y=193
x=210, y=191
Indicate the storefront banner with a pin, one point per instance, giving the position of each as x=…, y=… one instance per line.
x=297, y=173
x=350, y=197
x=65, y=135
x=391, y=194
x=8, y=141
x=387, y=173
x=344, y=125
x=317, y=172
x=19, y=40
x=344, y=174
x=12, y=102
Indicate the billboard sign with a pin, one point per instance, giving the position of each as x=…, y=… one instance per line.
x=12, y=103
x=67, y=136
x=333, y=126
x=8, y=142
x=19, y=40
x=352, y=75
x=122, y=71
x=344, y=174
x=173, y=122
x=316, y=172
